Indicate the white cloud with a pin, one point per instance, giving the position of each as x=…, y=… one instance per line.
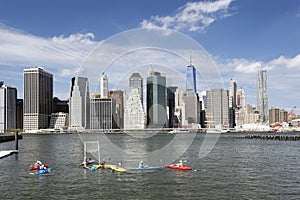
x=21, y=49
x=282, y=78
x=193, y=16
x=60, y=55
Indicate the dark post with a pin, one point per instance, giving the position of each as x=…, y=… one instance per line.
x=17, y=140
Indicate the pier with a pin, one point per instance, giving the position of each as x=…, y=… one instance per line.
x=274, y=137
x=10, y=137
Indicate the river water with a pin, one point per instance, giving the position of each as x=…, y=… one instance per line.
x=234, y=169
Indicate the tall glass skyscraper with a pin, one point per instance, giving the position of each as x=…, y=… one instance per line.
x=38, y=94
x=262, y=96
x=156, y=100
x=191, y=78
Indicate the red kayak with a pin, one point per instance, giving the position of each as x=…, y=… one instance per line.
x=178, y=167
x=37, y=167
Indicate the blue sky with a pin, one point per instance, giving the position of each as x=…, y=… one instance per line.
x=242, y=36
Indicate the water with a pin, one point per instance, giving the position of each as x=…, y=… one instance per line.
x=234, y=169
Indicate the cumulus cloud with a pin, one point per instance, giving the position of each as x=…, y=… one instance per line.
x=60, y=55
x=193, y=16
x=22, y=49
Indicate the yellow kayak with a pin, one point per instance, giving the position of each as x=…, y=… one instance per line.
x=117, y=168
x=106, y=166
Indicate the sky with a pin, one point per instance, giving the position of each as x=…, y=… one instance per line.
x=241, y=37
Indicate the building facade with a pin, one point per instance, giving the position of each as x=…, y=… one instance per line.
x=171, y=97
x=118, y=96
x=79, y=103
x=156, y=100
x=217, y=107
x=102, y=113
x=104, y=86
x=191, y=79
x=8, y=108
x=134, y=115
x=59, y=121
x=38, y=94
x=262, y=96
x=136, y=82
x=240, y=98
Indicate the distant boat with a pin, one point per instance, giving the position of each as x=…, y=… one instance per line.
x=176, y=131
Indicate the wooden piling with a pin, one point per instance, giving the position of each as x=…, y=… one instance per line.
x=16, y=140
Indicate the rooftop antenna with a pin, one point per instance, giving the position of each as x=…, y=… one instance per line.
x=190, y=59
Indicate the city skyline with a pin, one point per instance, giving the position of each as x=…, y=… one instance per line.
x=239, y=41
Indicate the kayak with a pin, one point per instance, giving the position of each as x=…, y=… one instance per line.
x=43, y=171
x=87, y=162
x=146, y=168
x=116, y=168
x=37, y=167
x=106, y=166
x=179, y=168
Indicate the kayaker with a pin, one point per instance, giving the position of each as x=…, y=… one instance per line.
x=141, y=165
x=119, y=165
x=43, y=167
x=38, y=163
x=180, y=163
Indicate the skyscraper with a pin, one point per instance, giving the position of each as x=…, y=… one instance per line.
x=262, y=96
x=136, y=82
x=118, y=96
x=134, y=116
x=104, y=86
x=217, y=106
x=191, y=78
x=156, y=99
x=8, y=108
x=232, y=103
x=171, y=104
x=232, y=93
x=79, y=103
x=103, y=112
x=38, y=94
x=240, y=98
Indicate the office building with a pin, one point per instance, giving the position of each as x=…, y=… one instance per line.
x=156, y=99
x=240, y=98
x=217, y=107
x=136, y=82
x=262, y=96
x=104, y=86
x=118, y=96
x=232, y=103
x=38, y=94
x=59, y=121
x=8, y=107
x=232, y=93
x=102, y=113
x=172, y=119
x=192, y=109
x=60, y=105
x=79, y=104
x=191, y=79
x=134, y=115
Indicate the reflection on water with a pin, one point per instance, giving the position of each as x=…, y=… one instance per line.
x=234, y=169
